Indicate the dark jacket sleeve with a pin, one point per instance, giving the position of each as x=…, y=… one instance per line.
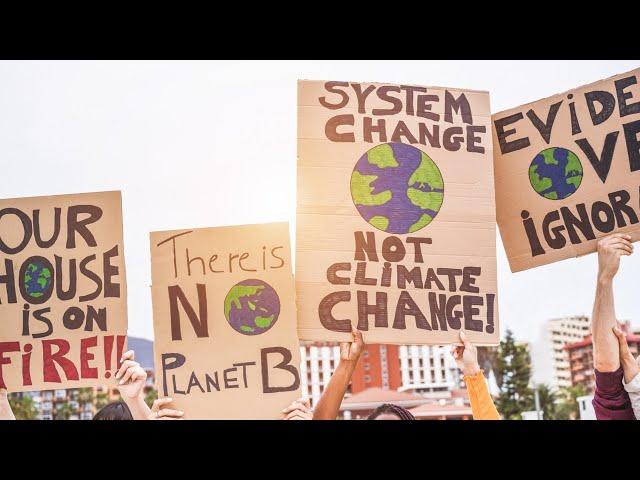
x=611, y=401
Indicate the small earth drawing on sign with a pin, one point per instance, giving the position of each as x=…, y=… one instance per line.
x=555, y=173
x=251, y=307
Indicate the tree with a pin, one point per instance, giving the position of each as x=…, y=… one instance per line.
x=513, y=372
x=64, y=411
x=85, y=395
x=568, y=408
x=23, y=407
x=151, y=396
x=547, y=398
x=102, y=399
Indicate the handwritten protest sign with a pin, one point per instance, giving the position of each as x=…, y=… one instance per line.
x=224, y=317
x=63, y=293
x=396, y=214
x=568, y=171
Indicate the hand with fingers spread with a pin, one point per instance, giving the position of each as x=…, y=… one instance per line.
x=466, y=356
x=159, y=412
x=610, y=249
x=351, y=351
x=5, y=409
x=299, y=409
x=131, y=376
x=629, y=364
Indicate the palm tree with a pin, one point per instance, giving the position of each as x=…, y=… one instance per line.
x=547, y=398
x=568, y=408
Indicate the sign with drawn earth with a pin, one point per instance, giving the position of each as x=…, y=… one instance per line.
x=568, y=171
x=395, y=214
x=224, y=320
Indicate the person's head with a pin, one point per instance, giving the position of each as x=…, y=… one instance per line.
x=388, y=411
x=114, y=411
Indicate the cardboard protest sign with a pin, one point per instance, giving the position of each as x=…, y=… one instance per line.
x=568, y=171
x=224, y=317
x=63, y=291
x=396, y=215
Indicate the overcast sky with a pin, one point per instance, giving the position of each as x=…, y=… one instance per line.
x=196, y=144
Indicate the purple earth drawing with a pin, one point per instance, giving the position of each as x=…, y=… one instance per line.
x=251, y=307
x=397, y=188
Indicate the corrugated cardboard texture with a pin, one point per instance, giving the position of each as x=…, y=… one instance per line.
x=74, y=298
x=571, y=127
x=462, y=233
x=218, y=259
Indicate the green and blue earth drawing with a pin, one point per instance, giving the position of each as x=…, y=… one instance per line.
x=397, y=188
x=37, y=279
x=555, y=173
x=251, y=307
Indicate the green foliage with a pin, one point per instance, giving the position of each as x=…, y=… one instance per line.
x=151, y=397
x=567, y=407
x=23, y=408
x=64, y=411
x=513, y=372
x=102, y=399
x=547, y=398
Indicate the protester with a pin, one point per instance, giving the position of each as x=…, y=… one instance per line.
x=482, y=406
x=631, y=368
x=611, y=400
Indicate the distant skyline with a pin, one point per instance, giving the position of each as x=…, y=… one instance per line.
x=198, y=144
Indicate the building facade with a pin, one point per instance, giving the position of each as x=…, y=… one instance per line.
x=560, y=332
x=580, y=356
x=420, y=369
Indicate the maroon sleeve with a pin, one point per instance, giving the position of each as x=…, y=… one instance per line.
x=611, y=401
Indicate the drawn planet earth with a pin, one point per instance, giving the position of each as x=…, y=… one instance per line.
x=251, y=307
x=555, y=173
x=397, y=188
x=37, y=279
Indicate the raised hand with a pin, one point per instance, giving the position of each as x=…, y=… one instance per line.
x=466, y=356
x=160, y=413
x=610, y=249
x=629, y=364
x=5, y=409
x=299, y=409
x=351, y=351
x=131, y=376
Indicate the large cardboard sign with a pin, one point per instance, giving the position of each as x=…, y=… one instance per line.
x=568, y=171
x=63, y=291
x=224, y=318
x=396, y=215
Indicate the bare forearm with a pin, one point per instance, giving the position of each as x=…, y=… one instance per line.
x=606, y=349
x=138, y=407
x=329, y=404
x=5, y=410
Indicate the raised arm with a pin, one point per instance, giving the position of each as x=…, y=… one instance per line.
x=610, y=400
x=131, y=378
x=5, y=409
x=331, y=399
x=466, y=357
x=606, y=351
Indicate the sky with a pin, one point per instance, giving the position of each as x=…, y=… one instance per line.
x=211, y=143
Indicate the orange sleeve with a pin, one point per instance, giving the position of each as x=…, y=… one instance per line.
x=482, y=406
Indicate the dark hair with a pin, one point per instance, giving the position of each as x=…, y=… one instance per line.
x=114, y=411
x=401, y=413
